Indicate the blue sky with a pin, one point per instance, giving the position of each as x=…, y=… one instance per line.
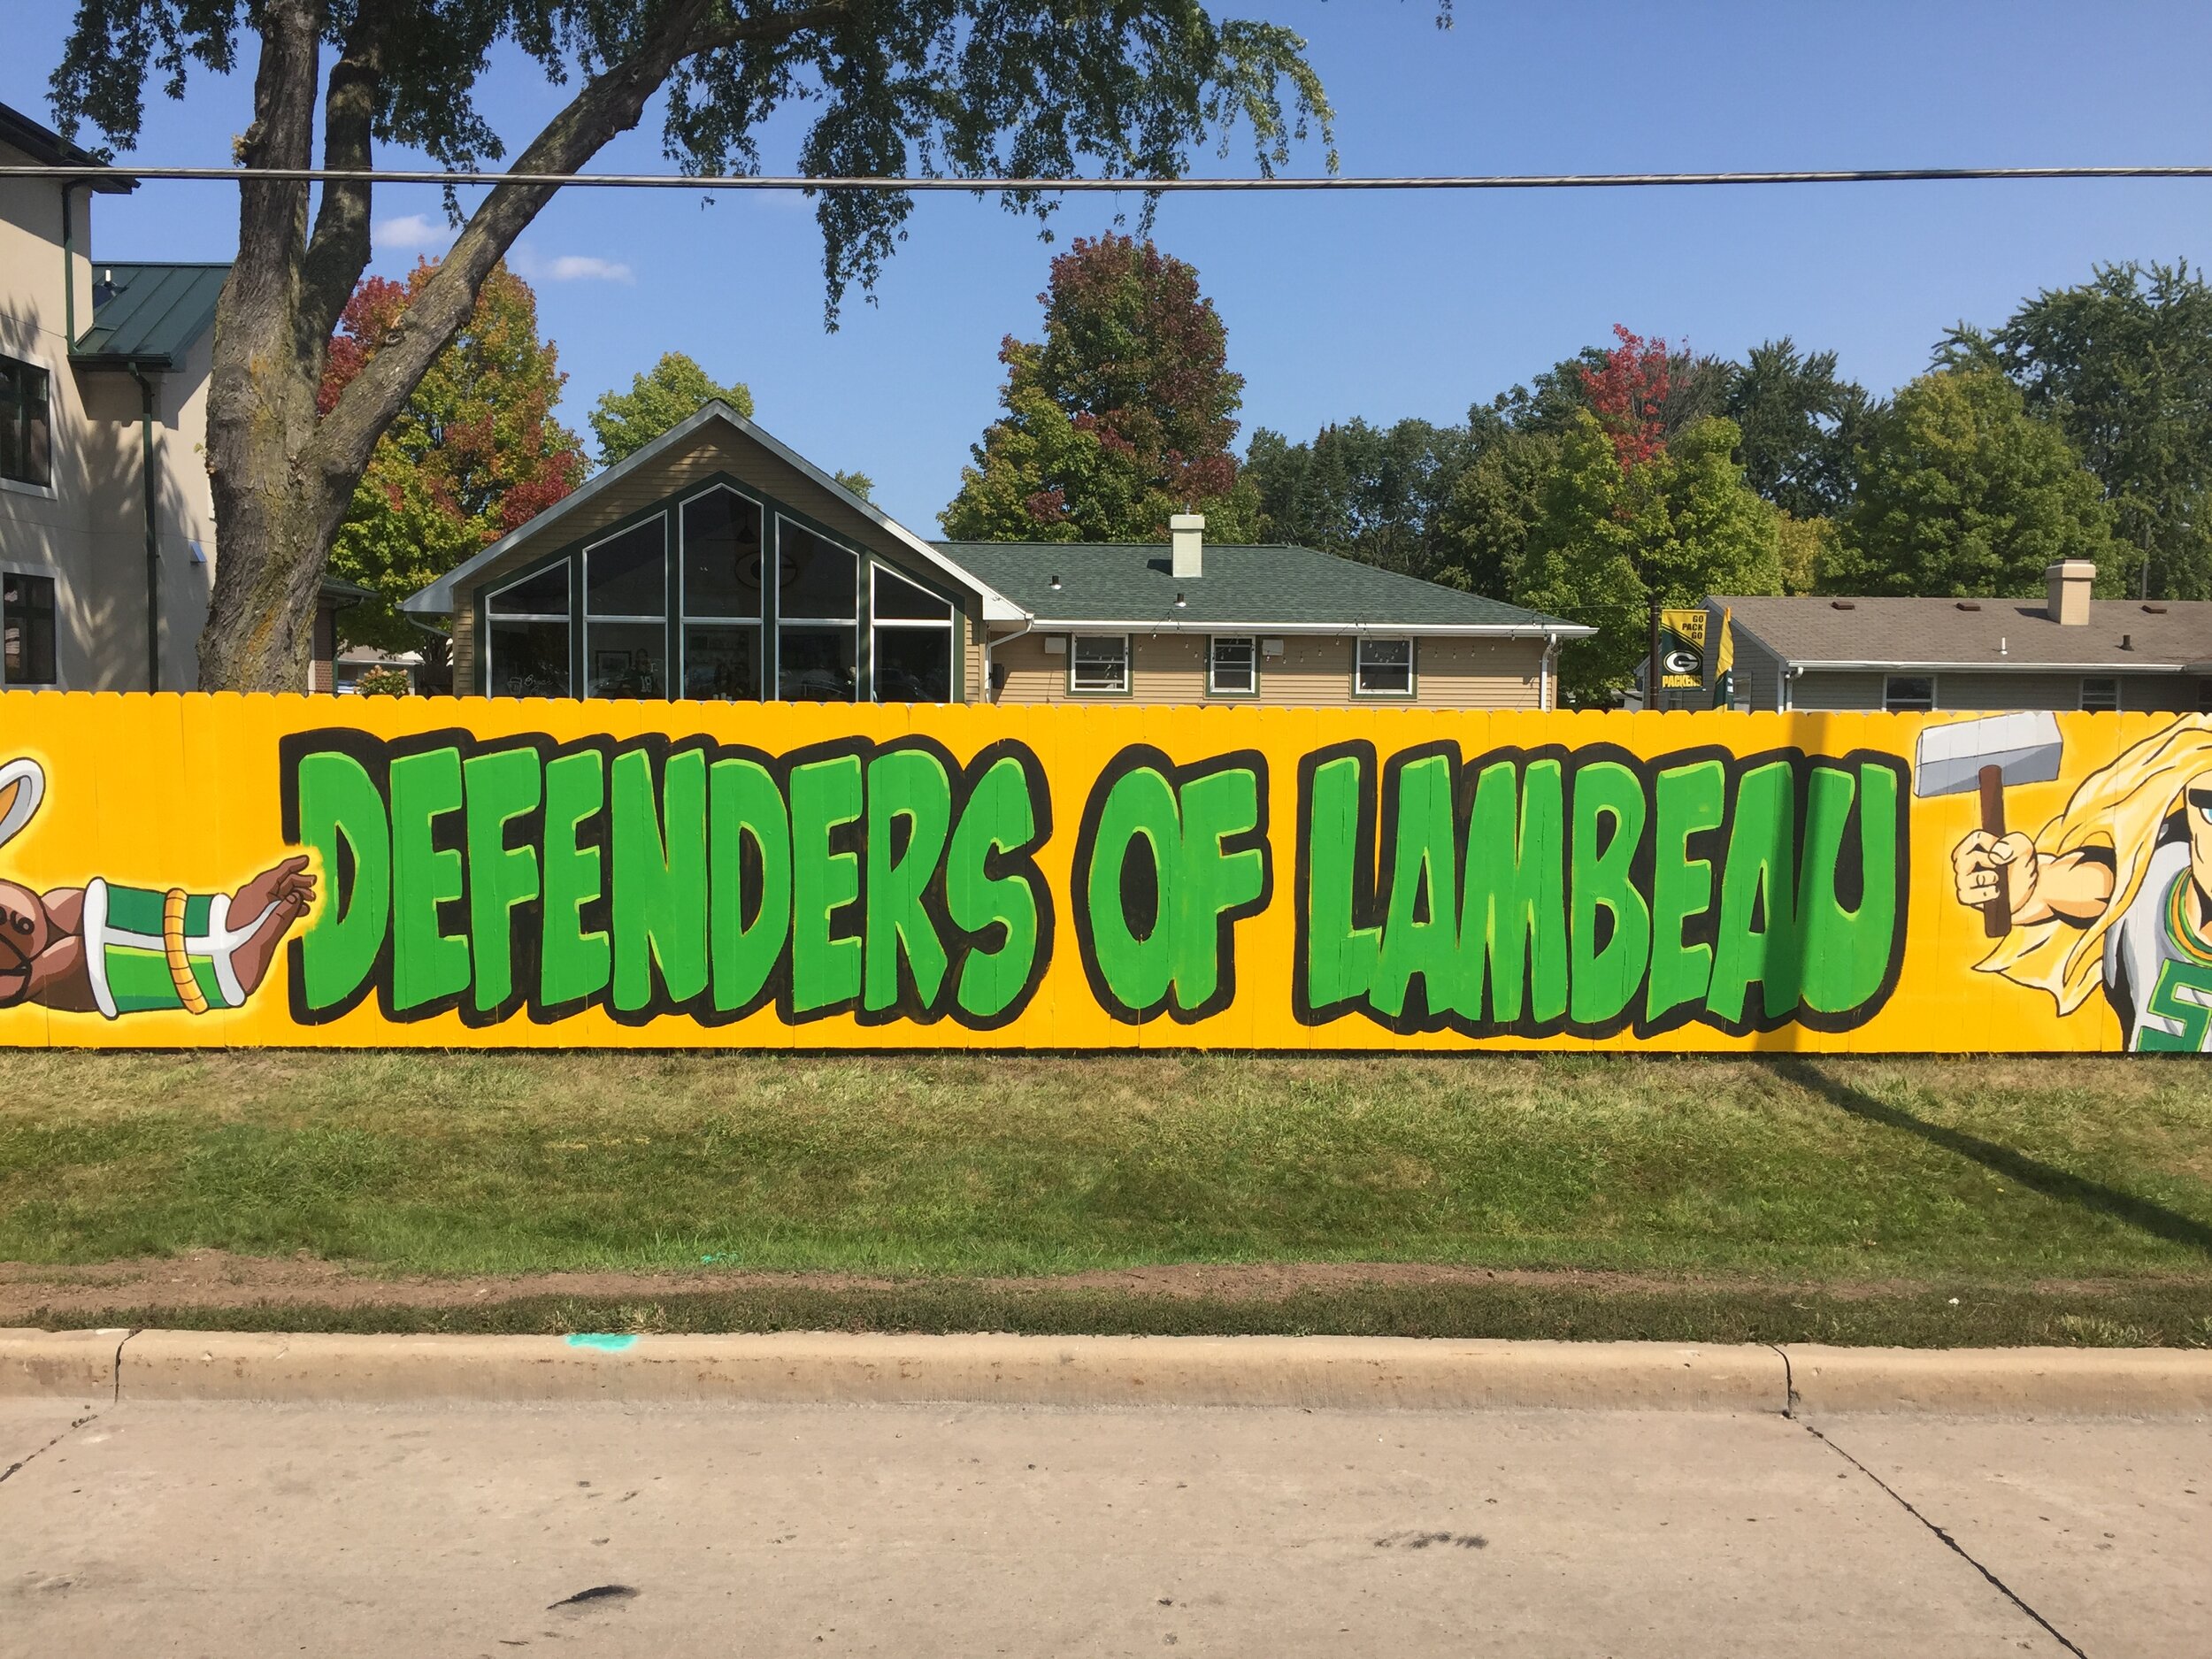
x=1377, y=306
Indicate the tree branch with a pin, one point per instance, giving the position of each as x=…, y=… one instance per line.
x=610, y=104
x=340, y=250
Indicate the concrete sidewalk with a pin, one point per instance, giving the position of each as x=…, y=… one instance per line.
x=242, y=1530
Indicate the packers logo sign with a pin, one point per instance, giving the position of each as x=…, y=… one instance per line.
x=180, y=871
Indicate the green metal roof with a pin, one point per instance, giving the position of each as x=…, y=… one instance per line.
x=154, y=313
x=1267, y=586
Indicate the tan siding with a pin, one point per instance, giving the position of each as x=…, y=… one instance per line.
x=464, y=652
x=1313, y=671
x=974, y=676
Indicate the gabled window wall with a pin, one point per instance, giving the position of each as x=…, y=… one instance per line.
x=720, y=597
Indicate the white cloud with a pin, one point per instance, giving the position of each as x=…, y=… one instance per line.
x=410, y=230
x=583, y=268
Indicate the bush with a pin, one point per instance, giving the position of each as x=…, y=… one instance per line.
x=384, y=682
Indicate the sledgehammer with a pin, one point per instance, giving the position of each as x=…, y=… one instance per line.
x=1987, y=755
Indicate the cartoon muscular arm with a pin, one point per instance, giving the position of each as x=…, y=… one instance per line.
x=2073, y=886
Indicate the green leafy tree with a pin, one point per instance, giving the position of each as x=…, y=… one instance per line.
x=859, y=483
x=665, y=395
x=1495, y=504
x=971, y=89
x=1960, y=491
x=1609, y=540
x=2123, y=364
x=1119, y=418
x=1801, y=422
x=1376, y=494
x=475, y=453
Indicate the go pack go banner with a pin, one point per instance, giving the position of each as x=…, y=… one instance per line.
x=296, y=870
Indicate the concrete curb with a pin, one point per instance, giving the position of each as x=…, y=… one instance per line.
x=829, y=1368
x=2019, y=1381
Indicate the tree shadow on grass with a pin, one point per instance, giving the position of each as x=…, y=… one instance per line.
x=2067, y=1188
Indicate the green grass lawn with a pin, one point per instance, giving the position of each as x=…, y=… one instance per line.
x=2003, y=1173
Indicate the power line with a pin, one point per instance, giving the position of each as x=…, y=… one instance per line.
x=1116, y=186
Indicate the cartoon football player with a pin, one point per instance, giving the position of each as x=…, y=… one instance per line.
x=2115, y=891
x=108, y=949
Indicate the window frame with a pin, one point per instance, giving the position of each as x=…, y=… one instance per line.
x=863, y=671
x=579, y=600
x=53, y=628
x=24, y=486
x=877, y=622
x=1412, y=665
x=1889, y=700
x=2112, y=680
x=1214, y=687
x=491, y=616
x=680, y=678
x=1127, y=687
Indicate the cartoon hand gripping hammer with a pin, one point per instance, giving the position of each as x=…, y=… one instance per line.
x=1995, y=870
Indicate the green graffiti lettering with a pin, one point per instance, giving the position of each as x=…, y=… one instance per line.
x=1609, y=825
x=1691, y=799
x=1758, y=884
x=1341, y=959
x=999, y=815
x=1846, y=953
x=428, y=965
x=1421, y=933
x=909, y=785
x=747, y=812
x=660, y=878
x=339, y=802
x=499, y=788
x=825, y=796
x=1141, y=806
x=1513, y=906
x=574, y=962
x=1211, y=882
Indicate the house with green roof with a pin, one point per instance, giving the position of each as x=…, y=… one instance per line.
x=717, y=563
x=107, y=524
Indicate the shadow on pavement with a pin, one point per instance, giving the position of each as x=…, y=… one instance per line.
x=2141, y=1213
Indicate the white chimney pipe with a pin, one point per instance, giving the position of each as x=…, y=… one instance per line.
x=1187, y=532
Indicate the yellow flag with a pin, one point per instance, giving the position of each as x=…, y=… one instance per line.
x=1682, y=649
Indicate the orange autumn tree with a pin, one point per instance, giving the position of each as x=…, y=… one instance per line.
x=475, y=452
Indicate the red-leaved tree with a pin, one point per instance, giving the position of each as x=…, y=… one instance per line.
x=475, y=453
x=1628, y=393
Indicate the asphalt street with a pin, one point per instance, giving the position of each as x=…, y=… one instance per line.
x=241, y=1531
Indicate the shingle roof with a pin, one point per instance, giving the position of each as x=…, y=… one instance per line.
x=1986, y=633
x=42, y=144
x=154, y=314
x=1267, y=586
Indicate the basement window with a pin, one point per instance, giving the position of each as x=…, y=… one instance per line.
x=26, y=623
x=2099, y=695
x=1908, y=694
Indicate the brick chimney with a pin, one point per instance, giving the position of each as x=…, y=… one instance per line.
x=2066, y=586
x=1187, y=532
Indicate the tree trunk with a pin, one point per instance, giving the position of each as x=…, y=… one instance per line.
x=284, y=477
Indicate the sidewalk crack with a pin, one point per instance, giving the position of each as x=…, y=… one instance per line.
x=28, y=1458
x=1950, y=1542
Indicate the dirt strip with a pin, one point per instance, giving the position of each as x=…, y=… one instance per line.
x=215, y=1280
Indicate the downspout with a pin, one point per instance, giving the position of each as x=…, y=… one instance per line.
x=1543, y=672
x=69, y=261
x=153, y=540
x=990, y=691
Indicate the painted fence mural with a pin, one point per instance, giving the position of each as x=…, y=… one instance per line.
x=293, y=871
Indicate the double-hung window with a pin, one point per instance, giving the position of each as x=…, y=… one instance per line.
x=1908, y=694
x=818, y=617
x=26, y=623
x=27, y=429
x=1383, y=667
x=525, y=636
x=1098, y=663
x=625, y=612
x=2100, y=693
x=1233, y=666
x=721, y=581
x=911, y=649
